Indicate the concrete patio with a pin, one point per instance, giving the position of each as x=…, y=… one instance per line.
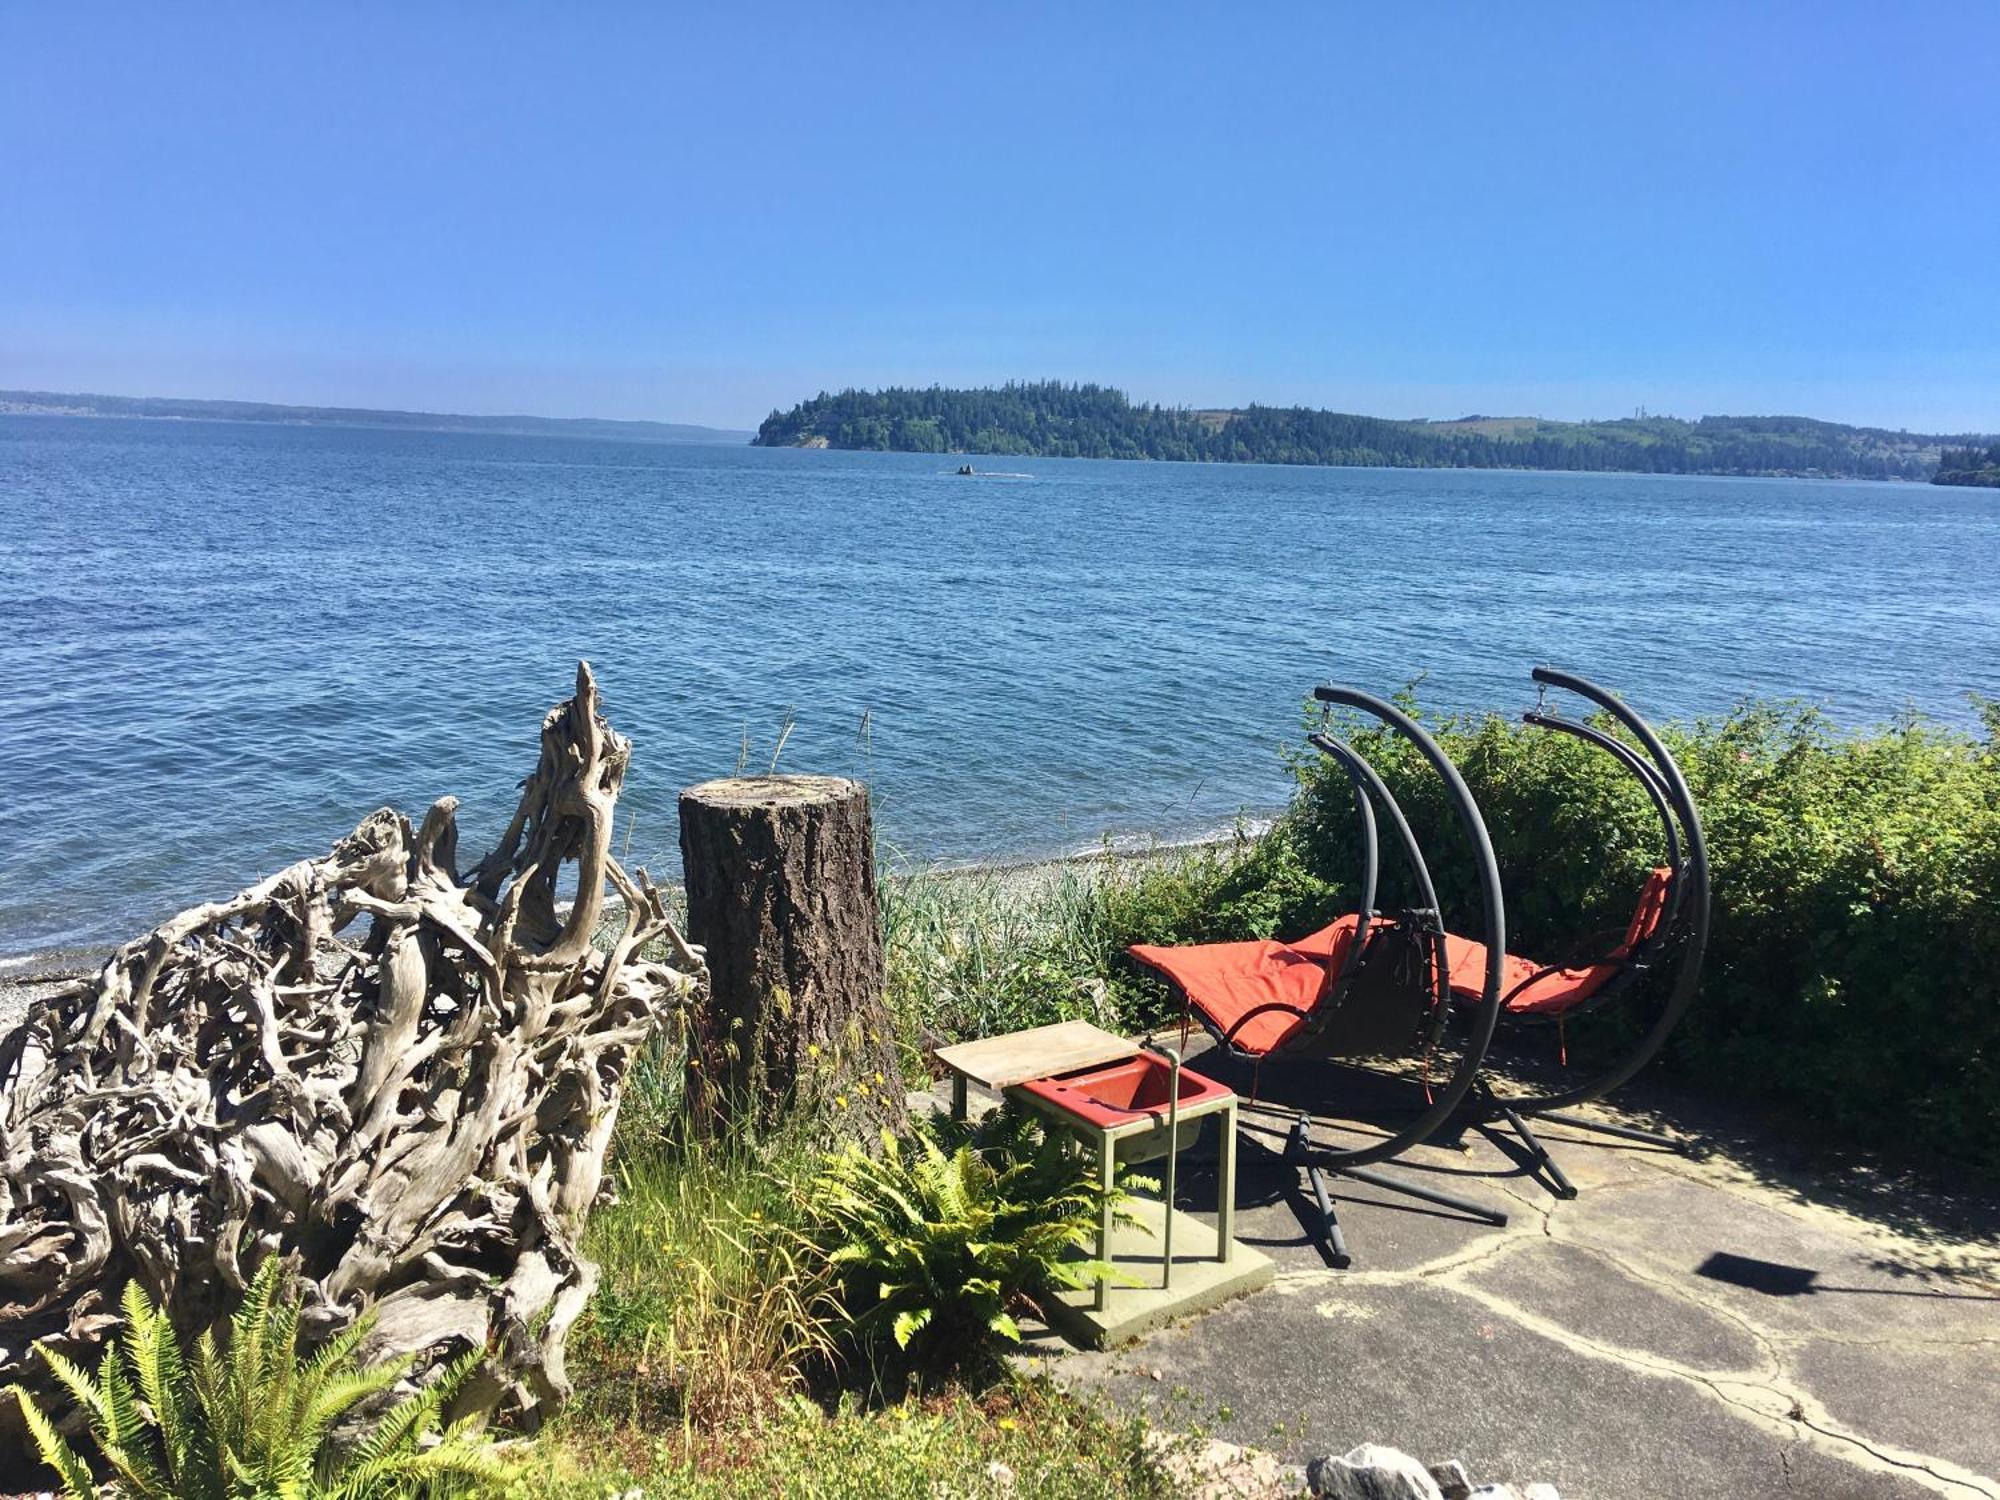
x=1756, y=1322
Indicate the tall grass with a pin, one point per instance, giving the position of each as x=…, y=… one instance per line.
x=710, y=1310
x=978, y=952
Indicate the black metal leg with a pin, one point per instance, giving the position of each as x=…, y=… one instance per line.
x=1332, y=1243
x=1327, y=1233
x=1562, y=1186
x=1335, y=1242
x=1624, y=1132
x=1494, y=1216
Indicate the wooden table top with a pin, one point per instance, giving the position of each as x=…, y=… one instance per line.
x=999, y=1062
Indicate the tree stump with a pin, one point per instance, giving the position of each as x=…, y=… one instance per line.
x=780, y=875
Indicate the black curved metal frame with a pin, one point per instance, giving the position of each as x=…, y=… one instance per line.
x=1680, y=938
x=1375, y=802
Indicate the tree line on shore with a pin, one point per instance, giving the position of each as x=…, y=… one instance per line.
x=1972, y=466
x=1057, y=419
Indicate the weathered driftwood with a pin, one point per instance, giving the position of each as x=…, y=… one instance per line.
x=401, y=1079
x=780, y=875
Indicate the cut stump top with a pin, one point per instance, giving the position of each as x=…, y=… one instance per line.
x=771, y=791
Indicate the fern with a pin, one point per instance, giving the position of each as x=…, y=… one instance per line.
x=253, y=1422
x=941, y=1239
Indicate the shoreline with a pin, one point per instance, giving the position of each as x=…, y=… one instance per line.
x=26, y=977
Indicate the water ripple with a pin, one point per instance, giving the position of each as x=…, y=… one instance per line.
x=221, y=646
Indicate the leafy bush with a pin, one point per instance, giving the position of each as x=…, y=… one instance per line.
x=941, y=1239
x=254, y=1422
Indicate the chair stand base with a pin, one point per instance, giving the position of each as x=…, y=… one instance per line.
x=1327, y=1233
x=1679, y=1144
x=1560, y=1185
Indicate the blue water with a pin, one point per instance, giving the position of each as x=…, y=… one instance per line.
x=221, y=645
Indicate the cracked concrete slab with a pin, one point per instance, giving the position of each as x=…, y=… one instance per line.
x=1799, y=1272
x=1422, y=1368
x=1730, y=1326
x=1936, y=1397
x=1592, y=1294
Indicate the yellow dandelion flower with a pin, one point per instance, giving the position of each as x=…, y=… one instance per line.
x=812, y=1049
x=1008, y=1424
x=841, y=1100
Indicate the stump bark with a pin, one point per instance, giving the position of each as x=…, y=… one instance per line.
x=401, y=1079
x=795, y=1030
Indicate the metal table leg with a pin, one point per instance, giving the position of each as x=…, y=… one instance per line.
x=1225, y=1187
x=1107, y=1158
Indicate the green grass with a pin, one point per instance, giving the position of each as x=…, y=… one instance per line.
x=711, y=1309
x=1024, y=1438
x=715, y=1360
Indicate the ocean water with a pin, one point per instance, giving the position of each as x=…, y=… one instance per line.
x=222, y=645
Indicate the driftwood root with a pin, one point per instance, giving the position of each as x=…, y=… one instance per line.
x=401, y=1079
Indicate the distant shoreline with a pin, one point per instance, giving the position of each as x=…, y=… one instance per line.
x=272, y=414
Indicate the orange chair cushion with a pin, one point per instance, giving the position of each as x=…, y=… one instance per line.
x=1227, y=981
x=1549, y=995
x=1651, y=910
x=1564, y=989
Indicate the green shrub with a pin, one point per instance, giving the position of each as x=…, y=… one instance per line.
x=254, y=1422
x=942, y=1238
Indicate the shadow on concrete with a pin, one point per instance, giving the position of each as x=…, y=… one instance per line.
x=1776, y=1280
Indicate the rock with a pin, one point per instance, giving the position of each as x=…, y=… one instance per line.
x=1452, y=1480
x=1540, y=1492
x=1371, y=1472
x=1494, y=1492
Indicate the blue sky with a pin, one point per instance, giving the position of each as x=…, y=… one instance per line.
x=702, y=213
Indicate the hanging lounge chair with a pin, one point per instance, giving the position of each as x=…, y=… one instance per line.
x=1379, y=983
x=1370, y=984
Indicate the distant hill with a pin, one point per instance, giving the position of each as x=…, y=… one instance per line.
x=1972, y=466
x=169, y=408
x=1059, y=420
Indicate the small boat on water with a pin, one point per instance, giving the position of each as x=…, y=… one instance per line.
x=965, y=471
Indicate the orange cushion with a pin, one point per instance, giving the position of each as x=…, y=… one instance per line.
x=1550, y=995
x=1563, y=990
x=1226, y=981
x=1652, y=907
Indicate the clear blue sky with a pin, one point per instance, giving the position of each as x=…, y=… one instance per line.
x=699, y=213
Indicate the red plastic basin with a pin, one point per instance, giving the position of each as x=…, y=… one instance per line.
x=1113, y=1094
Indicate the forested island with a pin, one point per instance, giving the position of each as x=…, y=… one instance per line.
x=1055, y=419
x=1974, y=466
